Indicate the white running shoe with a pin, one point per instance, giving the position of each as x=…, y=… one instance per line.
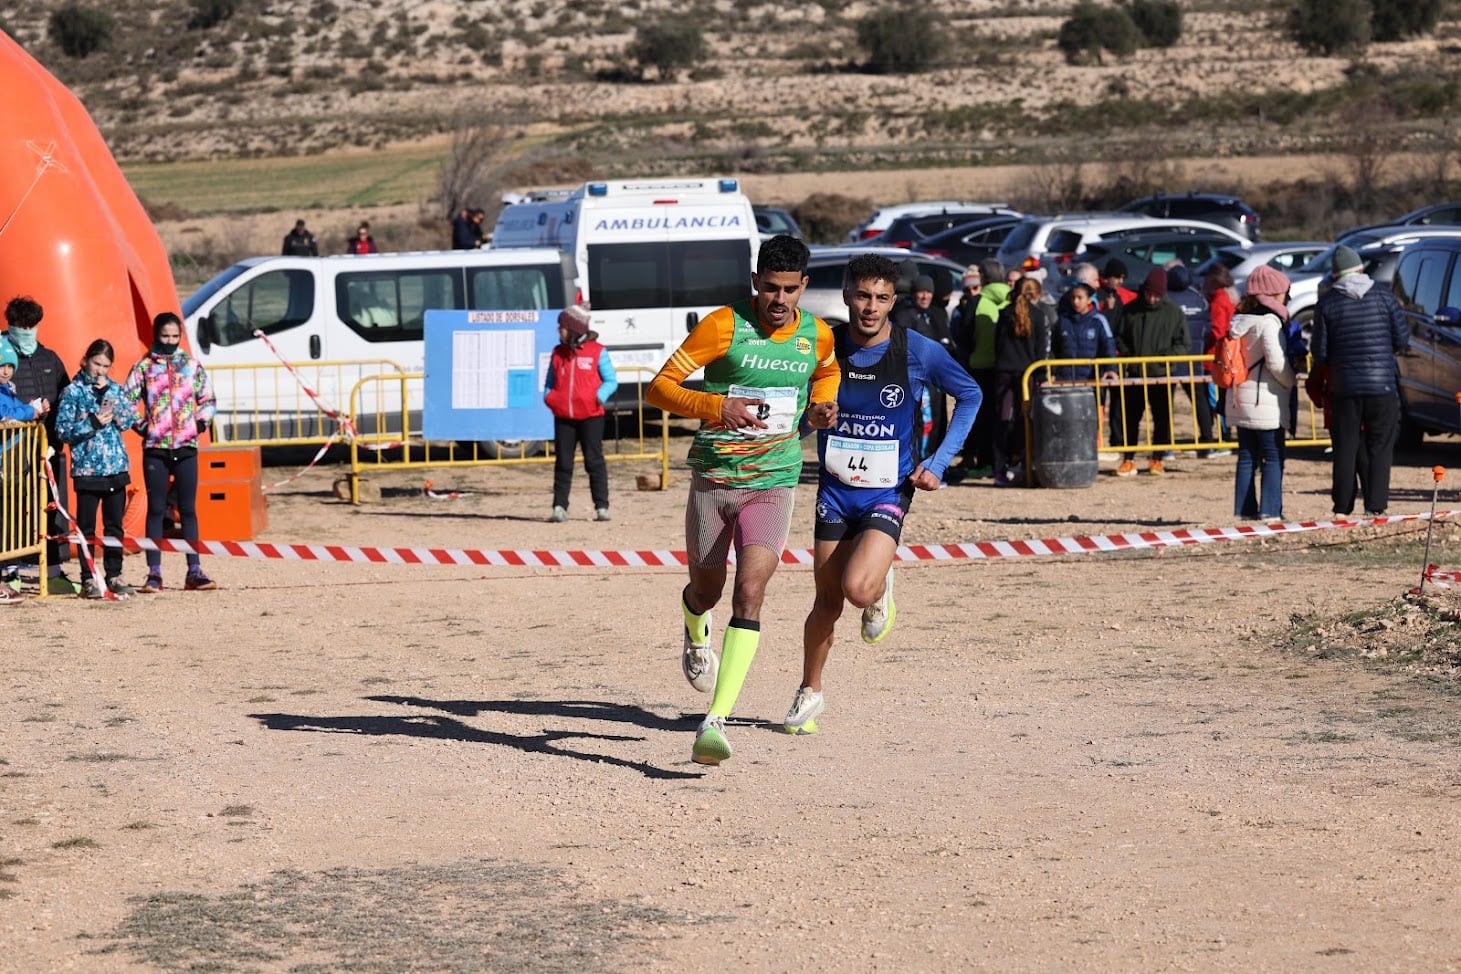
x=805, y=708
x=877, y=619
x=711, y=747
x=699, y=661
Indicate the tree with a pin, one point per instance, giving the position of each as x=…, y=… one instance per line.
x=1395, y=20
x=667, y=46
x=899, y=40
x=1160, y=21
x=79, y=30
x=1331, y=26
x=1092, y=30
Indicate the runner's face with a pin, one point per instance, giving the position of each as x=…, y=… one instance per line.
x=777, y=294
x=869, y=302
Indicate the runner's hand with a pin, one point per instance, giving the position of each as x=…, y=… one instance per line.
x=738, y=412
x=923, y=479
x=822, y=415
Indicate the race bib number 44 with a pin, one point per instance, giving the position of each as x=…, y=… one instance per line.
x=862, y=463
x=777, y=409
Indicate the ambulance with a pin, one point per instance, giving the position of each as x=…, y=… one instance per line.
x=653, y=257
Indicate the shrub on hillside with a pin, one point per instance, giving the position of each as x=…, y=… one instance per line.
x=1160, y=21
x=211, y=13
x=667, y=46
x=899, y=40
x=1092, y=30
x=826, y=217
x=1395, y=20
x=79, y=30
x=1331, y=26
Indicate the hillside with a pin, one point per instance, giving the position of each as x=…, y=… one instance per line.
x=779, y=88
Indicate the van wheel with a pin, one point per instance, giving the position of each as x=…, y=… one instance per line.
x=511, y=449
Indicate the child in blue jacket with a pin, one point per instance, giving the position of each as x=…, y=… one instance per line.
x=91, y=423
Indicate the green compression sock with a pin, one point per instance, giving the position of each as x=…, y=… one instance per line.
x=742, y=637
x=697, y=625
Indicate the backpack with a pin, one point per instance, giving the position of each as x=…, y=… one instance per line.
x=1228, y=366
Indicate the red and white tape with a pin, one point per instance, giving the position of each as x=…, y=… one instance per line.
x=539, y=558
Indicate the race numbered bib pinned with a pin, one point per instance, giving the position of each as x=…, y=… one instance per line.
x=777, y=409
x=862, y=463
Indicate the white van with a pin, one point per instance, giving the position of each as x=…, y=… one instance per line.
x=345, y=309
x=653, y=256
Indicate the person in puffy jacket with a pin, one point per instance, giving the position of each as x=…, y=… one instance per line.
x=580, y=379
x=90, y=420
x=1358, y=330
x=1258, y=408
x=169, y=399
x=1082, y=332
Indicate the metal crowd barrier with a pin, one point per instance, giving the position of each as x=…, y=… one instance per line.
x=1179, y=379
x=389, y=437
x=23, y=494
x=271, y=405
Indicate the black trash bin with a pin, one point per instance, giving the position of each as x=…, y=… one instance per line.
x=1066, y=425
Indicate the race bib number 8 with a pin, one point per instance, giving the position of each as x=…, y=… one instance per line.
x=777, y=409
x=862, y=463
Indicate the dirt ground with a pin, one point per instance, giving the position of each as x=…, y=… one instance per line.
x=1093, y=762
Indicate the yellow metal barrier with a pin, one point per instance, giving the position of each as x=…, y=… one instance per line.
x=268, y=405
x=1154, y=374
x=23, y=493
x=389, y=437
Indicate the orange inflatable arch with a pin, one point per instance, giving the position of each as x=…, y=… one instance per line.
x=73, y=235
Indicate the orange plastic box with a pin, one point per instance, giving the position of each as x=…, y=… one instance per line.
x=232, y=510
x=229, y=463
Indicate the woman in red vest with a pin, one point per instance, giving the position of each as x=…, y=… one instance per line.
x=581, y=378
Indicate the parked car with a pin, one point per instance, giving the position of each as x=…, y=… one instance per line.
x=1143, y=251
x=913, y=231
x=773, y=220
x=1220, y=208
x=823, y=296
x=1055, y=241
x=881, y=219
x=1425, y=275
x=969, y=243
x=1287, y=257
x=1434, y=215
x=1305, y=281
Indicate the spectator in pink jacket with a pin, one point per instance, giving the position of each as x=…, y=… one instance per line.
x=171, y=400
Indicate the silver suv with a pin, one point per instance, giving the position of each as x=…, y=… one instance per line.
x=1054, y=242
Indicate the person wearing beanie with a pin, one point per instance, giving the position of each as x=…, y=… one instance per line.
x=1111, y=298
x=1344, y=261
x=13, y=408
x=579, y=381
x=1359, y=328
x=930, y=319
x=1261, y=406
x=994, y=297
x=1152, y=326
x=1195, y=312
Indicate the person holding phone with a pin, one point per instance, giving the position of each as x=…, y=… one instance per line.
x=89, y=421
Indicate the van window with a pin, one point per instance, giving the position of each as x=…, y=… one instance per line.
x=524, y=288
x=271, y=303
x=391, y=306
x=666, y=275
x=1430, y=279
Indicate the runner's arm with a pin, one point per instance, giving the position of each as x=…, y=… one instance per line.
x=930, y=364
x=708, y=341
x=827, y=376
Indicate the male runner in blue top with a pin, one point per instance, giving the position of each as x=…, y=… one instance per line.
x=870, y=468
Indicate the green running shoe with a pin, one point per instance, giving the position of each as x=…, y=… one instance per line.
x=711, y=747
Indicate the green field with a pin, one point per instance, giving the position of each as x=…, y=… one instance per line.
x=342, y=179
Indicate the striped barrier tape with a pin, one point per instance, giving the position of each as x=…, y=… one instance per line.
x=547, y=558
